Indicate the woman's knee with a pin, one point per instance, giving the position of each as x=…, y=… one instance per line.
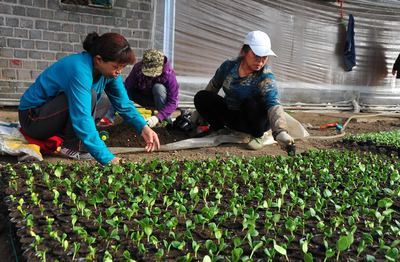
x=159, y=90
x=200, y=96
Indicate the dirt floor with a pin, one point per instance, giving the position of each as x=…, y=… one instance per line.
x=122, y=135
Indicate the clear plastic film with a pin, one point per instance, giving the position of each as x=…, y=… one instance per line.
x=13, y=143
x=309, y=38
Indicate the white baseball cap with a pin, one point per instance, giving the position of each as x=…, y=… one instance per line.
x=259, y=43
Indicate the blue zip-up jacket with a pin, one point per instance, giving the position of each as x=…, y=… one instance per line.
x=73, y=75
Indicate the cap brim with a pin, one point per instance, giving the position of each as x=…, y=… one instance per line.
x=262, y=51
x=152, y=72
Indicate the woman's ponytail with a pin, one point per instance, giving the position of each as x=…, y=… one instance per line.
x=90, y=43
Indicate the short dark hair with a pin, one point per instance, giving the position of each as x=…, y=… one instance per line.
x=245, y=49
x=110, y=46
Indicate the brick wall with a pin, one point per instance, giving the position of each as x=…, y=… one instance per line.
x=36, y=33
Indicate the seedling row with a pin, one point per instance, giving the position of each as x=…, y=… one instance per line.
x=385, y=142
x=334, y=205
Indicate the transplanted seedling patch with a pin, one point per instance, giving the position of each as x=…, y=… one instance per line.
x=388, y=141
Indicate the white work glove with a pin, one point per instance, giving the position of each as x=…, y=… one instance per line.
x=284, y=139
x=152, y=121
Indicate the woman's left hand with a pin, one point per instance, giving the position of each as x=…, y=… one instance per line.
x=151, y=139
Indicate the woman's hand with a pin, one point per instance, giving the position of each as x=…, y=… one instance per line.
x=115, y=160
x=151, y=139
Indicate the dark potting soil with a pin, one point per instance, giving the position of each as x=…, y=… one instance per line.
x=9, y=242
x=122, y=135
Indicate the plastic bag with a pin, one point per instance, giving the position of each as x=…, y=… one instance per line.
x=13, y=143
x=183, y=122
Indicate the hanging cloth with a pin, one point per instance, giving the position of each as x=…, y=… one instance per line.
x=350, y=51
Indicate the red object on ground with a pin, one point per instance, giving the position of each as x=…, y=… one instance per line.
x=47, y=146
x=328, y=125
x=201, y=129
x=105, y=122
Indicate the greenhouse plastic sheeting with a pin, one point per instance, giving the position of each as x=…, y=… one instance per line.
x=309, y=38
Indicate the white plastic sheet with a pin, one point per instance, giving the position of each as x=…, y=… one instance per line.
x=13, y=143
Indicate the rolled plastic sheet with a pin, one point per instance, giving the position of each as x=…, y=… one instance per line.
x=309, y=38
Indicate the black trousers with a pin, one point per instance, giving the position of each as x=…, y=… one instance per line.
x=52, y=118
x=252, y=118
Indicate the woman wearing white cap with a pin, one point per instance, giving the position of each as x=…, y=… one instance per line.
x=251, y=103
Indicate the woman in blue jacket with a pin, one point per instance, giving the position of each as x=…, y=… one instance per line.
x=62, y=101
